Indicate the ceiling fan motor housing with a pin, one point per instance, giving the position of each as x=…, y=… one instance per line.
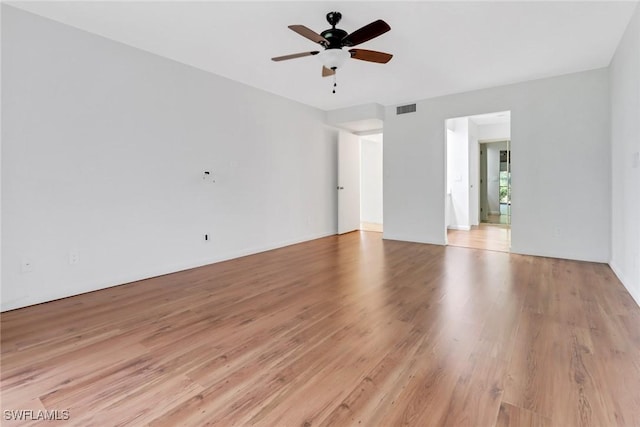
x=334, y=40
x=334, y=36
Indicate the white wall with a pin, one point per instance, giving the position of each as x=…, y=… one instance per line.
x=362, y=113
x=493, y=174
x=458, y=172
x=104, y=149
x=474, y=174
x=494, y=131
x=625, y=153
x=1, y=150
x=566, y=115
x=371, y=180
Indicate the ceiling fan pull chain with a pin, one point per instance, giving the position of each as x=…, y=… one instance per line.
x=334, y=81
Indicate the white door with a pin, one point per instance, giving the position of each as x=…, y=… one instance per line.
x=348, y=182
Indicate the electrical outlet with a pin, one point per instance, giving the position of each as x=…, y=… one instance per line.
x=26, y=266
x=74, y=258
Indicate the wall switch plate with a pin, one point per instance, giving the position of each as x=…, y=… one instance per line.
x=74, y=258
x=26, y=265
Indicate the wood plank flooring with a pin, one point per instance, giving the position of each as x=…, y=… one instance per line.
x=497, y=219
x=491, y=237
x=345, y=330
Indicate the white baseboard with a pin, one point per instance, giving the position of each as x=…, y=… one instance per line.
x=552, y=254
x=460, y=227
x=634, y=294
x=411, y=239
x=117, y=280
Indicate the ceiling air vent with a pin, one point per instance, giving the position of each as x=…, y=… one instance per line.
x=404, y=109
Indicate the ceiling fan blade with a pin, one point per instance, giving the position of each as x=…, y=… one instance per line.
x=366, y=33
x=371, y=55
x=326, y=72
x=310, y=34
x=294, y=55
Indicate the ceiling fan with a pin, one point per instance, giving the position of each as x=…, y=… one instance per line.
x=334, y=40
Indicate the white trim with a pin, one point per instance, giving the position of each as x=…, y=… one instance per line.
x=557, y=255
x=459, y=227
x=149, y=274
x=387, y=236
x=368, y=132
x=618, y=272
x=492, y=140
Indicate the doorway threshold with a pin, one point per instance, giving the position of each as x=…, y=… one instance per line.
x=491, y=237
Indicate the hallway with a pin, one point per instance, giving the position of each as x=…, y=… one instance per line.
x=492, y=237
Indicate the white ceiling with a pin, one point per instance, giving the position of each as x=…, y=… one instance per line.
x=439, y=47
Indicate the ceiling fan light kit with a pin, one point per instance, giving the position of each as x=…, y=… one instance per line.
x=334, y=40
x=333, y=58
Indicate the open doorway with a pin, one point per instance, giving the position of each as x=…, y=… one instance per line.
x=359, y=167
x=495, y=182
x=371, y=182
x=359, y=182
x=478, y=190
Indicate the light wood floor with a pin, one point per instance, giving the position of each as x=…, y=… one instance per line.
x=345, y=330
x=497, y=219
x=492, y=237
x=371, y=226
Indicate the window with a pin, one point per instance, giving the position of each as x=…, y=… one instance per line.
x=505, y=182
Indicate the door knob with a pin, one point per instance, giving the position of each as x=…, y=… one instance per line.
x=340, y=188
